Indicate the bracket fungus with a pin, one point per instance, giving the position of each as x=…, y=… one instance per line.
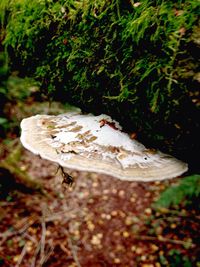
x=96, y=144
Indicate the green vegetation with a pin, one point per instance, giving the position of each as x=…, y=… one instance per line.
x=9, y=167
x=175, y=259
x=134, y=61
x=3, y=91
x=184, y=192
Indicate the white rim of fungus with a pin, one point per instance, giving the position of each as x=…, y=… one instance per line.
x=96, y=144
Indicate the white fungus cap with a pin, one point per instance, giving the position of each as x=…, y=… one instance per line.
x=96, y=144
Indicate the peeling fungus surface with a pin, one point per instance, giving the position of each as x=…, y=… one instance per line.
x=96, y=143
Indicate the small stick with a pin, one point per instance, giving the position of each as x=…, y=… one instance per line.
x=48, y=253
x=31, y=238
x=22, y=230
x=33, y=263
x=177, y=212
x=73, y=250
x=23, y=253
x=43, y=238
x=162, y=239
x=42, y=246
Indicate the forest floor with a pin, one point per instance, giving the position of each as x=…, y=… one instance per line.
x=99, y=221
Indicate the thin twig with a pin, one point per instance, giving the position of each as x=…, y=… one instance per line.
x=43, y=238
x=23, y=253
x=74, y=253
x=33, y=263
x=64, y=249
x=5, y=203
x=31, y=238
x=163, y=239
x=72, y=248
x=10, y=233
x=187, y=215
x=59, y=215
x=48, y=253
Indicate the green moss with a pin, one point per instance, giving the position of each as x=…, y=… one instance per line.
x=185, y=190
x=136, y=63
x=10, y=164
